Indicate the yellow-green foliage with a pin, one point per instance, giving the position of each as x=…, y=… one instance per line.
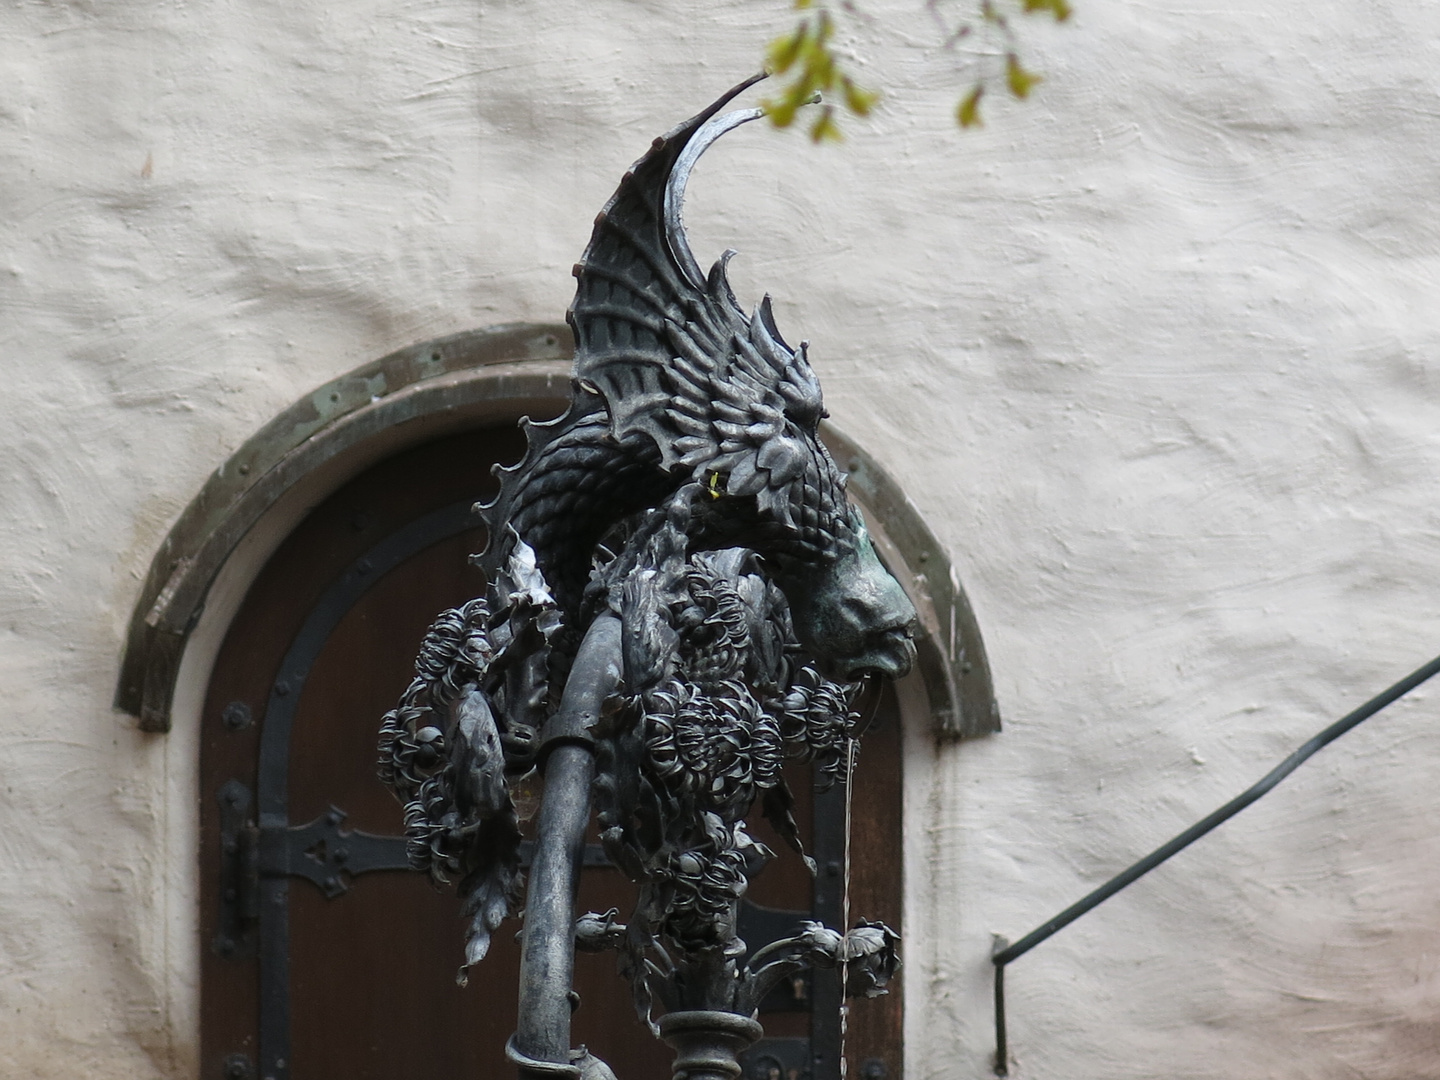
x=813, y=68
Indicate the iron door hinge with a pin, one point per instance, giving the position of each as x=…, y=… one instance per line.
x=320, y=851
x=239, y=873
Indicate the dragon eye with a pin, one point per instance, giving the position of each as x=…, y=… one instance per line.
x=806, y=412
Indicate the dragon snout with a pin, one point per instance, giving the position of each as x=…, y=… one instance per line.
x=889, y=652
x=856, y=620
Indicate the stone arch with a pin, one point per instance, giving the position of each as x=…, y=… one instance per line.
x=250, y=503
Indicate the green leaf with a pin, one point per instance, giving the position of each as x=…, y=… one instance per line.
x=783, y=51
x=781, y=113
x=825, y=129
x=1020, y=81
x=822, y=70
x=969, y=111
x=1058, y=8
x=807, y=57
x=857, y=99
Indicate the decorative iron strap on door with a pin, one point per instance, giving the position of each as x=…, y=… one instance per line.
x=266, y=854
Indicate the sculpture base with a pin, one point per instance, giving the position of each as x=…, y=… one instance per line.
x=708, y=1044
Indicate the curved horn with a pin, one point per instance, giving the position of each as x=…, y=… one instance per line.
x=701, y=141
x=637, y=271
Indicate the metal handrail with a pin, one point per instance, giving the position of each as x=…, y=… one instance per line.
x=1179, y=843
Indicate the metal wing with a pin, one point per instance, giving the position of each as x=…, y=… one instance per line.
x=667, y=347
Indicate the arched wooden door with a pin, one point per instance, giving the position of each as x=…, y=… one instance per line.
x=324, y=959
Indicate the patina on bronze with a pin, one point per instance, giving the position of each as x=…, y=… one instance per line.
x=681, y=599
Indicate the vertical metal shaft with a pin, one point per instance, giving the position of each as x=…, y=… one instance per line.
x=1002, y=1048
x=547, y=958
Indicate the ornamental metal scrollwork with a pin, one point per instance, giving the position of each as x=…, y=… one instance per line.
x=681, y=600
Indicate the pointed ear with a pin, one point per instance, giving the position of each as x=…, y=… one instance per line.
x=777, y=502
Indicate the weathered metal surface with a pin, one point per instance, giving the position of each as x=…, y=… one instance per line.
x=327, y=855
x=692, y=465
x=758, y=926
x=255, y=878
x=681, y=597
x=273, y=787
x=322, y=852
x=548, y=951
x=825, y=996
x=239, y=872
x=708, y=1043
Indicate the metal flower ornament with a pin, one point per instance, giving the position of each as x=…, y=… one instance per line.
x=681, y=600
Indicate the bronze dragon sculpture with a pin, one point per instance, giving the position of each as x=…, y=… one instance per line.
x=683, y=523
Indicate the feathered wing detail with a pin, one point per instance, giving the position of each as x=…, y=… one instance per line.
x=668, y=349
x=635, y=286
x=635, y=279
x=672, y=381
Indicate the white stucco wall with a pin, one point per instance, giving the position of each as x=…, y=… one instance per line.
x=1158, y=355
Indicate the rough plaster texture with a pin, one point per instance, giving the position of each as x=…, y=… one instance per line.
x=1158, y=355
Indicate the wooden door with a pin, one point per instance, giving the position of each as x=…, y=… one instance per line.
x=324, y=959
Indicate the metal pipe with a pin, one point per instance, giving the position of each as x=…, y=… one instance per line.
x=547, y=957
x=1002, y=1048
